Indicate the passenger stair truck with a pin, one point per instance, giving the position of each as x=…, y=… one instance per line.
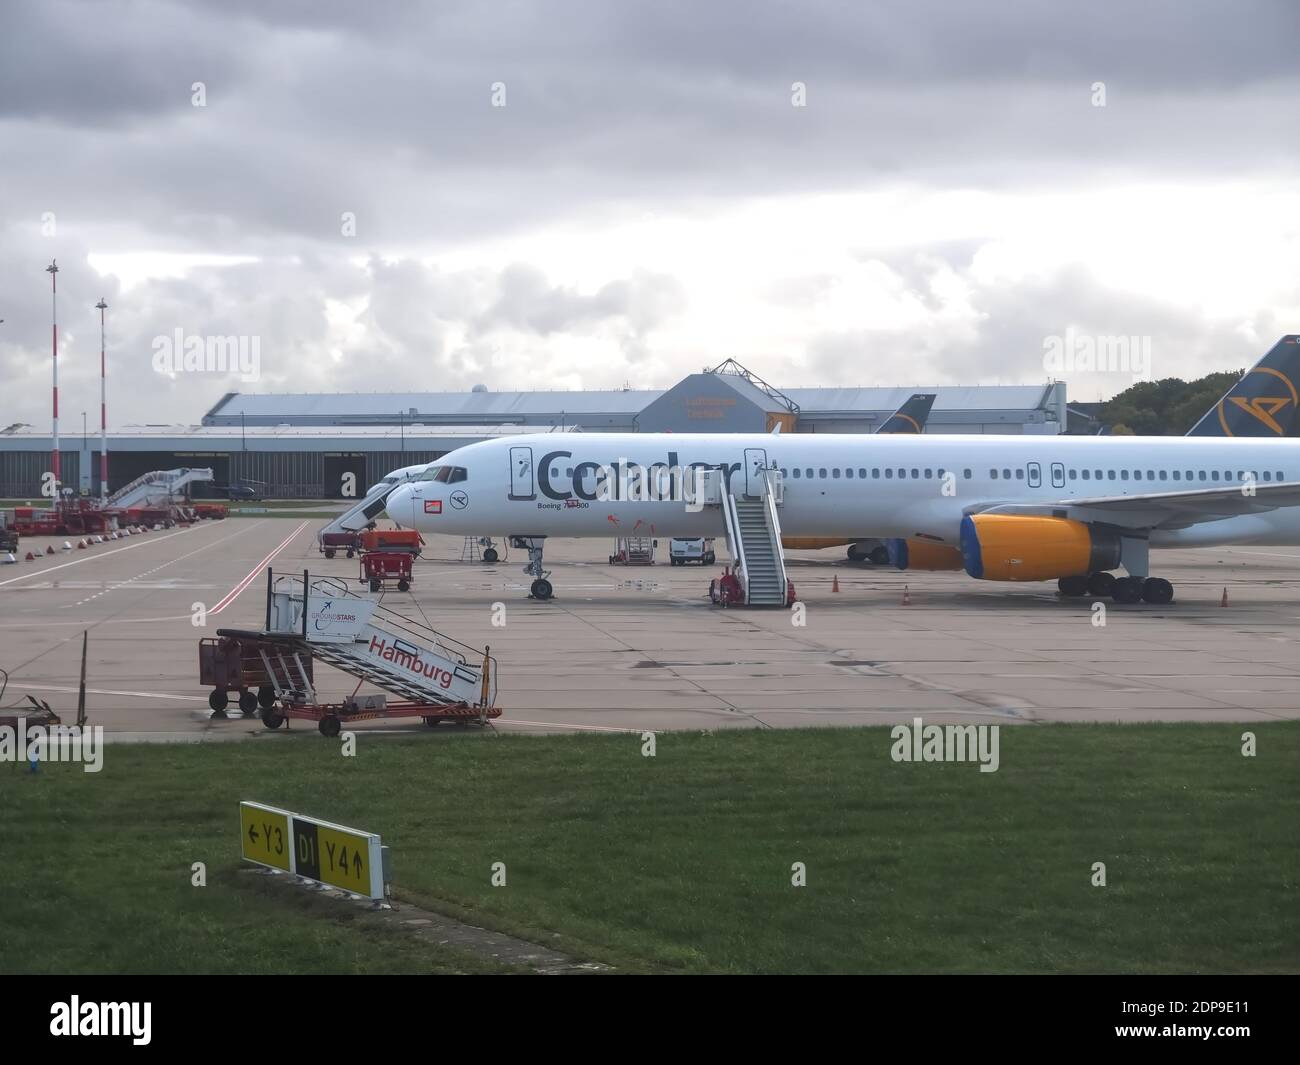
x=423, y=673
x=344, y=532
x=750, y=504
x=159, y=488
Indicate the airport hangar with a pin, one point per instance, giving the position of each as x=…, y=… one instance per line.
x=299, y=445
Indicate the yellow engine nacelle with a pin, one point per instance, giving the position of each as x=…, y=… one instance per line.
x=1014, y=547
x=921, y=554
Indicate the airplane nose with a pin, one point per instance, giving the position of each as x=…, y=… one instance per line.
x=401, y=506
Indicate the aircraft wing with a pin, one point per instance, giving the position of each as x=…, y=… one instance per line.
x=1160, y=510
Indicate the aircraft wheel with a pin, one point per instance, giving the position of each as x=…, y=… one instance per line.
x=1072, y=587
x=1101, y=583
x=1157, y=591
x=248, y=703
x=265, y=696
x=490, y=555
x=879, y=556
x=271, y=717
x=218, y=700
x=541, y=589
x=855, y=553
x=330, y=726
x=1126, y=590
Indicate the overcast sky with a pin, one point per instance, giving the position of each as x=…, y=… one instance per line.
x=588, y=193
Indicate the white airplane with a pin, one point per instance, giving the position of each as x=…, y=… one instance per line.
x=1014, y=508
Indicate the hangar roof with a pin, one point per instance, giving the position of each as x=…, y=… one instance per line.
x=490, y=407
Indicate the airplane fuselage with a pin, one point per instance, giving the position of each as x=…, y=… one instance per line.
x=595, y=484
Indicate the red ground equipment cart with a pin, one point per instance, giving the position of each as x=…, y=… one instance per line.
x=381, y=568
x=234, y=664
x=330, y=544
x=387, y=556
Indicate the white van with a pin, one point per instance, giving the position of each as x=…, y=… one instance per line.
x=699, y=550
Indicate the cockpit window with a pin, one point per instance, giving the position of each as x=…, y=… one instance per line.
x=446, y=474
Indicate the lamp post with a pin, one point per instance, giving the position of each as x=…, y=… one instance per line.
x=53, y=271
x=102, y=306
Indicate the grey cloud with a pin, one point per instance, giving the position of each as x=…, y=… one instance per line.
x=384, y=109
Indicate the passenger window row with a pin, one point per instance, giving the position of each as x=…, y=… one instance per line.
x=928, y=473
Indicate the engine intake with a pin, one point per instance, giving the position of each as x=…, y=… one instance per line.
x=1015, y=547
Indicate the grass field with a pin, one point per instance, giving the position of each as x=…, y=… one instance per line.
x=682, y=862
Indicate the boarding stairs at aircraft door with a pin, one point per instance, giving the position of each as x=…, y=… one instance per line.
x=357, y=635
x=754, y=538
x=156, y=487
x=360, y=514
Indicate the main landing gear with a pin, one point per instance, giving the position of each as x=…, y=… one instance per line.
x=869, y=551
x=1124, y=590
x=541, y=587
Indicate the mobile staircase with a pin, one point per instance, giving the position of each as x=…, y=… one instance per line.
x=155, y=489
x=344, y=532
x=749, y=508
x=311, y=619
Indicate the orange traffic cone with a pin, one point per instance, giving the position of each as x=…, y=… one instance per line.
x=835, y=583
x=50, y=550
x=1224, y=600
x=907, y=596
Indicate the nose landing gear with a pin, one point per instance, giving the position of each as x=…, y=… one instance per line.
x=541, y=588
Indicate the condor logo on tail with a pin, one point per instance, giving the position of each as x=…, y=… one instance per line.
x=1263, y=403
x=1263, y=408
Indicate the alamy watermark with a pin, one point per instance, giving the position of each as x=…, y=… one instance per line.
x=53, y=743
x=179, y=353
x=946, y=743
x=1086, y=353
x=79, y=1018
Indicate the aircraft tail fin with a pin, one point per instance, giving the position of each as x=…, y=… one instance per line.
x=1263, y=403
x=911, y=416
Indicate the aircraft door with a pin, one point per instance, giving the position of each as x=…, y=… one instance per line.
x=1035, y=472
x=521, y=473
x=755, y=464
x=1058, y=475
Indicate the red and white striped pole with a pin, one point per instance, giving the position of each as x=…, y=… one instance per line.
x=102, y=306
x=53, y=271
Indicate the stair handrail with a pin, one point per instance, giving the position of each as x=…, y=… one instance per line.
x=735, y=542
x=774, y=527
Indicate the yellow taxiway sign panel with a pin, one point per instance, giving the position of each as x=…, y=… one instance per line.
x=319, y=850
x=264, y=836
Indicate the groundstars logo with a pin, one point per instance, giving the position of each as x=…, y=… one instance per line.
x=53, y=743
x=132, y=1019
